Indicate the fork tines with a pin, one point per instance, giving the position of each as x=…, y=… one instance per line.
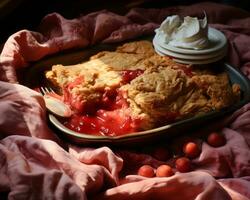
x=45, y=90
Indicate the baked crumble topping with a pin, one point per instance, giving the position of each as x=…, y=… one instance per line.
x=136, y=89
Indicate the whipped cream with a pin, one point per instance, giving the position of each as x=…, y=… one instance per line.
x=188, y=33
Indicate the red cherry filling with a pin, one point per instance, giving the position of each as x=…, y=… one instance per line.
x=111, y=116
x=129, y=75
x=69, y=99
x=104, y=123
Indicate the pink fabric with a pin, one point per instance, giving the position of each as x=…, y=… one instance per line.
x=34, y=166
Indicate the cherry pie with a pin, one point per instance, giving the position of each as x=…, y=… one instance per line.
x=134, y=89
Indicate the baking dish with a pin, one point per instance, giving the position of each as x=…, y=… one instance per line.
x=35, y=78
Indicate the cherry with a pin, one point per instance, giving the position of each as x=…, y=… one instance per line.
x=183, y=164
x=164, y=171
x=191, y=150
x=216, y=140
x=146, y=171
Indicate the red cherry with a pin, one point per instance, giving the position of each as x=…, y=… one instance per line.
x=216, y=140
x=164, y=171
x=191, y=150
x=161, y=154
x=146, y=171
x=183, y=164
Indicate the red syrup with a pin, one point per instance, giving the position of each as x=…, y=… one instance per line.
x=111, y=117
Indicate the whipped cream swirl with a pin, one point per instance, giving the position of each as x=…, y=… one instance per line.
x=188, y=33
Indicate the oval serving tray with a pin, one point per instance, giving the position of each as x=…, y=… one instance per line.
x=35, y=78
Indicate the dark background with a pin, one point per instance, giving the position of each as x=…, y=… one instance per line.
x=26, y=14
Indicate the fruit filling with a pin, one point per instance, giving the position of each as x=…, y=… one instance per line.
x=109, y=117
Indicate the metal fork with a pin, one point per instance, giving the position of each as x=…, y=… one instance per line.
x=54, y=104
x=46, y=90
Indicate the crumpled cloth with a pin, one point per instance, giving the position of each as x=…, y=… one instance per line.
x=36, y=164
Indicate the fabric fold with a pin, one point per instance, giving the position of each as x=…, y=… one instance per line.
x=34, y=166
